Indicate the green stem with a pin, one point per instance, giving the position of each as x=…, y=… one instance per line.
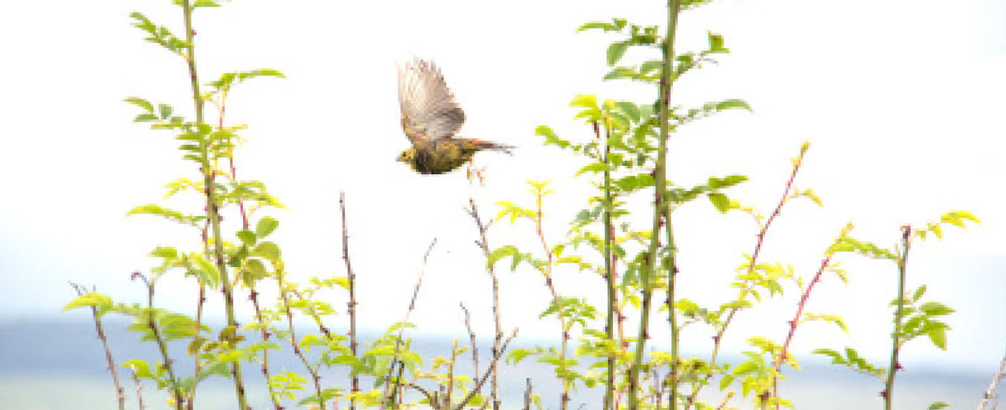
x=660, y=205
x=162, y=346
x=211, y=200
x=672, y=314
x=906, y=235
x=609, y=279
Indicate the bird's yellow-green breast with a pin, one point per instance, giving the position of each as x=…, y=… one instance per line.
x=430, y=118
x=445, y=155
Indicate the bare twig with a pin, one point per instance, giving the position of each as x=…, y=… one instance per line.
x=1001, y=374
x=408, y=313
x=497, y=339
x=139, y=389
x=527, y=394
x=120, y=394
x=352, y=296
x=492, y=367
x=471, y=336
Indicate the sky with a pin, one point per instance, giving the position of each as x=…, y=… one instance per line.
x=901, y=101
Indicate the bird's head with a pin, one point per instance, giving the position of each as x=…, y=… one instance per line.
x=408, y=156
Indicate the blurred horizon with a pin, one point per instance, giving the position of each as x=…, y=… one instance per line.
x=36, y=356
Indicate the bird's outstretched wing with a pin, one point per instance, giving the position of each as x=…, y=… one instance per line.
x=429, y=111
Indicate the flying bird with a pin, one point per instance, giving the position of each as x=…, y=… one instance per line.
x=430, y=118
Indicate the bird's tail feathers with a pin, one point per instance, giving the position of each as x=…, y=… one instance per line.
x=489, y=145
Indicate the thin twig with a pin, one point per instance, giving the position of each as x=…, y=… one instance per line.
x=139, y=389
x=752, y=264
x=176, y=390
x=408, y=313
x=119, y=393
x=777, y=366
x=482, y=380
x=264, y=331
x=992, y=386
x=471, y=336
x=497, y=339
x=895, y=365
x=527, y=394
x=352, y=296
x=284, y=292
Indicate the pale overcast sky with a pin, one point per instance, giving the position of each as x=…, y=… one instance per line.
x=902, y=101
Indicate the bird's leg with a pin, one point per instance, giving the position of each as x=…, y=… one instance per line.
x=472, y=170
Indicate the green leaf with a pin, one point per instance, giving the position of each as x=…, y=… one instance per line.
x=164, y=111
x=935, y=309
x=595, y=167
x=139, y=102
x=716, y=43
x=585, y=101
x=90, y=299
x=720, y=201
x=550, y=136
x=247, y=237
x=615, y=52
x=207, y=271
x=651, y=65
x=500, y=253
x=836, y=357
x=939, y=338
x=629, y=109
x=595, y=25
x=265, y=226
x=621, y=72
x=268, y=250
x=256, y=269
x=139, y=367
x=634, y=182
x=938, y=405
x=164, y=252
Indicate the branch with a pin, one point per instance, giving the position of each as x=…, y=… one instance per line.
x=108, y=351
x=992, y=386
x=484, y=244
x=491, y=371
x=352, y=296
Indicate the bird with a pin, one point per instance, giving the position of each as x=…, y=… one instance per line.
x=430, y=118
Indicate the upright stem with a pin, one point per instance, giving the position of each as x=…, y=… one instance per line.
x=498, y=338
x=211, y=200
x=660, y=199
x=151, y=316
x=609, y=279
x=672, y=318
x=563, y=321
x=906, y=243
x=352, y=295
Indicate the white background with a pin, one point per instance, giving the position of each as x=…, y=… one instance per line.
x=901, y=100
